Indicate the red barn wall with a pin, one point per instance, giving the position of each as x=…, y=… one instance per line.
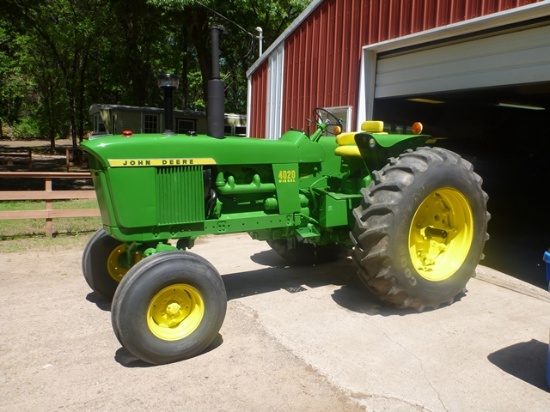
x=258, y=104
x=323, y=54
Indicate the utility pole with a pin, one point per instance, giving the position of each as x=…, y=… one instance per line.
x=260, y=38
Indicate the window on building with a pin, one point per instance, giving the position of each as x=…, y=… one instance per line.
x=233, y=130
x=344, y=113
x=186, y=125
x=150, y=123
x=114, y=122
x=99, y=126
x=240, y=131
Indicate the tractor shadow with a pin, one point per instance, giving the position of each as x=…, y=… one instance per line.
x=278, y=275
x=351, y=295
x=98, y=300
x=126, y=359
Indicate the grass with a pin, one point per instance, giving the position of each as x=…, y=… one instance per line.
x=60, y=242
x=15, y=234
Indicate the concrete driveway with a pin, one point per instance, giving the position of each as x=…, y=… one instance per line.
x=300, y=339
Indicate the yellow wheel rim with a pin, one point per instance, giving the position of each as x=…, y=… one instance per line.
x=175, y=312
x=441, y=234
x=114, y=267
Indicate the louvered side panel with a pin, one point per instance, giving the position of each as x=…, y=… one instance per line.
x=180, y=195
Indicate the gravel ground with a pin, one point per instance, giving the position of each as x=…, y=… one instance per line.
x=58, y=351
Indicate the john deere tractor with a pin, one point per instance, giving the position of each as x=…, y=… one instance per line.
x=413, y=217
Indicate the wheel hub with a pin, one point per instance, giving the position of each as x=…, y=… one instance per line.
x=441, y=234
x=175, y=312
x=118, y=263
x=173, y=309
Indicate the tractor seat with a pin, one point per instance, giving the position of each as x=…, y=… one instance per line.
x=346, y=141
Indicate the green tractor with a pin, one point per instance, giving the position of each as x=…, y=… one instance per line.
x=413, y=217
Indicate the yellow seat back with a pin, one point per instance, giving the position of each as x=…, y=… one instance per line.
x=346, y=138
x=346, y=141
x=372, y=126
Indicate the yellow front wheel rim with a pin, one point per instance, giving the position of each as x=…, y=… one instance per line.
x=175, y=312
x=441, y=234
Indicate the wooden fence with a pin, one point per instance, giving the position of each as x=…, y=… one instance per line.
x=7, y=155
x=48, y=195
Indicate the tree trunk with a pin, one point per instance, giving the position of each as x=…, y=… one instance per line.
x=184, y=71
x=52, y=140
x=198, y=34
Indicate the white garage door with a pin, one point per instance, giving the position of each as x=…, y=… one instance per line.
x=512, y=58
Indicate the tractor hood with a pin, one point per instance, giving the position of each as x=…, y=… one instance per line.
x=163, y=150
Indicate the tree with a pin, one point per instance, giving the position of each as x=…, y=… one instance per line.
x=58, y=57
x=13, y=82
x=63, y=33
x=240, y=17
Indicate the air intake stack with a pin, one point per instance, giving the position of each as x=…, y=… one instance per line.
x=168, y=83
x=216, y=95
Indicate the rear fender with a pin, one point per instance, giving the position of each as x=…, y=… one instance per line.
x=377, y=148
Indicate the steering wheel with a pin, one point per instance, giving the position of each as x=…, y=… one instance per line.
x=321, y=115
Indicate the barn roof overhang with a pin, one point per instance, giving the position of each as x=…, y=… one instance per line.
x=511, y=18
x=304, y=15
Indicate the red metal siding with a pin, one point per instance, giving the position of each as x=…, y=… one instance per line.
x=323, y=54
x=258, y=106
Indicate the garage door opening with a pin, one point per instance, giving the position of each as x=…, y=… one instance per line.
x=505, y=133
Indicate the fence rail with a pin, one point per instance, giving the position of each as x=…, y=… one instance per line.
x=72, y=156
x=7, y=155
x=48, y=195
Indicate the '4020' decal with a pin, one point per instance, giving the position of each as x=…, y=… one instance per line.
x=287, y=176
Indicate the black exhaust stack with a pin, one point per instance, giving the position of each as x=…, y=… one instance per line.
x=216, y=95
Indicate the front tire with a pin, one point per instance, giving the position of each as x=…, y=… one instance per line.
x=421, y=228
x=169, y=307
x=101, y=263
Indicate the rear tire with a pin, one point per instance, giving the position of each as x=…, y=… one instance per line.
x=421, y=228
x=169, y=307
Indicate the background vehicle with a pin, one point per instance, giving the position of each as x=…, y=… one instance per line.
x=413, y=216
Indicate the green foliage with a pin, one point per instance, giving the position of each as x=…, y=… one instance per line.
x=14, y=84
x=26, y=128
x=59, y=57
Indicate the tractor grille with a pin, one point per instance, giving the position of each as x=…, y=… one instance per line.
x=180, y=194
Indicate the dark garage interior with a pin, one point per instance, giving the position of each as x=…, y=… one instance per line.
x=505, y=133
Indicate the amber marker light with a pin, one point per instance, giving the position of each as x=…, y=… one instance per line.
x=337, y=130
x=417, y=128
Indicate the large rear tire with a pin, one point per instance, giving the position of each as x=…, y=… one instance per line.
x=169, y=307
x=421, y=229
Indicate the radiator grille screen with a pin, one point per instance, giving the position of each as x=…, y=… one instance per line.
x=180, y=194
